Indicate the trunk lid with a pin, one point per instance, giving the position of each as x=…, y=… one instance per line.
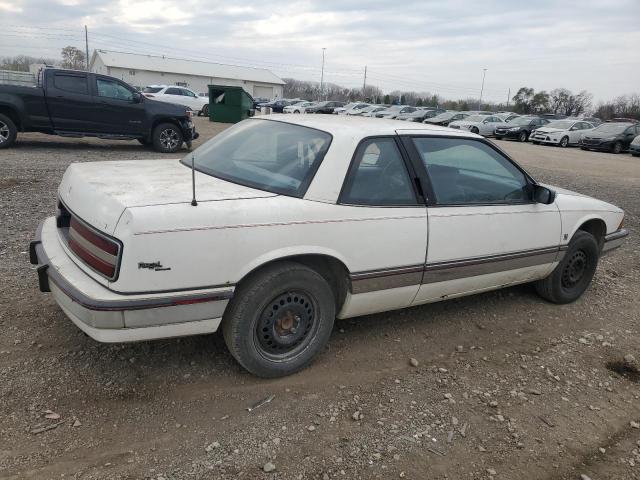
x=98, y=192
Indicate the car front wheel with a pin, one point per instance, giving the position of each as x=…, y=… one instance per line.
x=617, y=147
x=279, y=319
x=522, y=137
x=574, y=273
x=167, y=138
x=564, y=142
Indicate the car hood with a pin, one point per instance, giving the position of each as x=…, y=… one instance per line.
x=550, y=130
x=99, y=192
x=463, y=123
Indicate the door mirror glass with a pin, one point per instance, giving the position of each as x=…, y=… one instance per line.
x=136, y=98
x=543, y=195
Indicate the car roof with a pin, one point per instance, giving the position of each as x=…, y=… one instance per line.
x=341, y=125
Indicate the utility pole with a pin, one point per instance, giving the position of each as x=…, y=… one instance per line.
x=484, y=72
x=364, y=85
x=322, y=75
x=86, y=45
x=508, y=98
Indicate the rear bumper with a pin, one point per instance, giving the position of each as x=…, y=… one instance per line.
x=614, y=240
x=109, y=316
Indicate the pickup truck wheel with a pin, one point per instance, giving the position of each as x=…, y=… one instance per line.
x=8, y=131
x=573, y=275
x=167, y=138
x=279, y=319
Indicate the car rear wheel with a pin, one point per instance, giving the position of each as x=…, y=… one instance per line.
x=564, y=142
x=167, y=138
x=296, y=111
x=522, y=137
x=279, y=319
x=205, y=111
x=8, y=131
x=617, y=147
x=574, y=273
x=475, y=130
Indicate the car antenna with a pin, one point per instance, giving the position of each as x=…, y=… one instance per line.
x=194, y=203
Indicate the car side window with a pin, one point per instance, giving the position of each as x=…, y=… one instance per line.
x=467, y=172
x=111, y=89
x=187, y=93
x=71, y=83
x=173, y=91
x=378, y=176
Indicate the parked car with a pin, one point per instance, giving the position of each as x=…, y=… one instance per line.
x=445, y=118
x=613, y=137
x=553, y=116
x=394, y=110
x=178, y=96
x=595, y=121
x=298, y=107
x=351, y=107
x=369, y=111
x=507, y=116
x=481, y=124
x=622, y=120
x=258, y=102
x=634, y=146
x=82, y=104
x=519, y=128
x=562, y=132
x=420, y=115
x=276, y=106
x=325, y=219
x=324, y=107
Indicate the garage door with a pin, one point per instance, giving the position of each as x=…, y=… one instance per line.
x=263, y=92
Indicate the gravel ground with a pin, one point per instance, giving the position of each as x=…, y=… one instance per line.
x=502, y=385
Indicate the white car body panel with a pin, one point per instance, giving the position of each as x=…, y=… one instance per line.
x=195, y=103
x=394, y=256
x=484, y=129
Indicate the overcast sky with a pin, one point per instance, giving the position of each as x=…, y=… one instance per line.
x=422, y=45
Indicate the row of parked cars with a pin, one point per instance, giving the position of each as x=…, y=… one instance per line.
x=588, y=133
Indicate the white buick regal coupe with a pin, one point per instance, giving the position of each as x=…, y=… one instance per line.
x=301, y=220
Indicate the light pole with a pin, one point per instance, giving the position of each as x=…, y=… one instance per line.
x=322, y=75
x=484, y=72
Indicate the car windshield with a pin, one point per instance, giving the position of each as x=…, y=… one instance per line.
x=475, y=118
x=520, y=121
x=152, y=89
x=349, y=105
x=444, y=116
x=560, y=124
x=268, y=155
x=611, y=128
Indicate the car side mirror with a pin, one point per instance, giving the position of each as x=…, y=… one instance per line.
x=136, y=98
x=543, y=195
x=485, y=121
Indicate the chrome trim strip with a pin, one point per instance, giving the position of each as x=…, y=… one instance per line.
x=383, y=279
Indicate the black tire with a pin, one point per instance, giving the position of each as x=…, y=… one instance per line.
x=635, y=154
x=522, y=137
x=269, y=345
x=564, y=142
x=205, y=111
x=498, y=138
x=616, y=148
x=573, y=275
x=475, y=130
x=167, y=138
x=584, y=148
x=535, y=143
x=8, y=131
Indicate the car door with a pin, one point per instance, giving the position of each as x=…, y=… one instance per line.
x=575, y=132
x=485, y=231
x=122, y=109
x=190, y=99
x=71, y=106
x=174, y=95
x=489, y=124
x=390, y=247
x=628, y=136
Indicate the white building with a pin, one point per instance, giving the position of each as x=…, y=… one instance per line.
x=143, y=70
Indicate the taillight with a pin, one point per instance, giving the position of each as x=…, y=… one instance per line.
x=96, y=250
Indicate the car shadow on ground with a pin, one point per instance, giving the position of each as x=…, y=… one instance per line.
x=107, y=146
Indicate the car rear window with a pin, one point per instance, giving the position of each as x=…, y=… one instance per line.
x=268, y=155
x=152, y=89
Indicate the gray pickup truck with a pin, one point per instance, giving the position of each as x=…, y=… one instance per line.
x=74, y=103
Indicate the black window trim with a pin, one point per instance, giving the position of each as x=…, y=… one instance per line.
x=421, y=169
x=303, y=187
x=413, y=175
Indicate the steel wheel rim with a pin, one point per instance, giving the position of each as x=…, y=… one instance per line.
x=575, y=269
x=4, y=132
x=286, y=326
x=169, y=138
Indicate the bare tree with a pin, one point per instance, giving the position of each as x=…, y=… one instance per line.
x=20, y=63
x=73, y=58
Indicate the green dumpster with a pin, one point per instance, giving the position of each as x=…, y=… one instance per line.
x=229, y=104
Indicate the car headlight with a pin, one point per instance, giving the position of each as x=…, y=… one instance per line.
x=514, y=129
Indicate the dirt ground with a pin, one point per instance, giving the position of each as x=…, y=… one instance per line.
x=507, y=385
